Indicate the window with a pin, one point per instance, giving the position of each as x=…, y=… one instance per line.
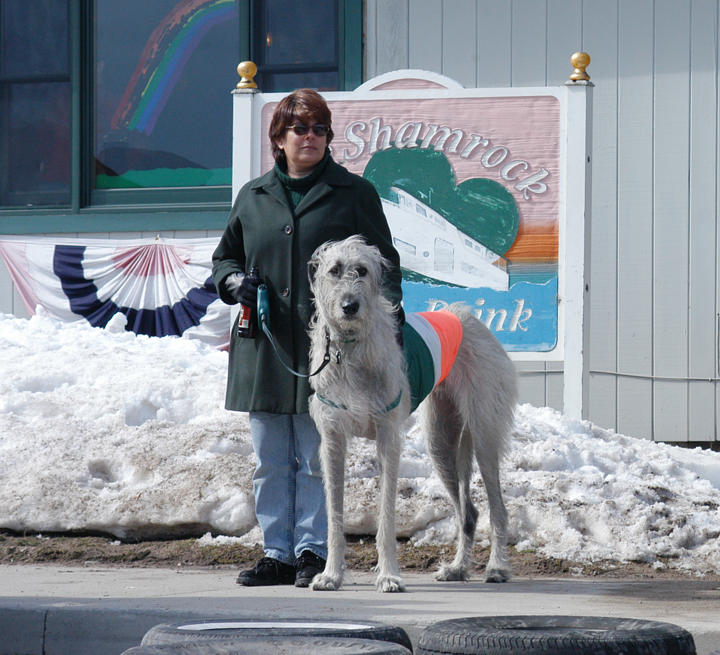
x=34, y=103
x=296, y=44
x=163, y=116
x=444, y=256
x=117, y=114
x=404, y=246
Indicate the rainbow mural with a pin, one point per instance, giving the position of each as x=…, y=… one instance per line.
x=163, y=59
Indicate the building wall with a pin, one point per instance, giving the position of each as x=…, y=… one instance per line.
x=654, y=267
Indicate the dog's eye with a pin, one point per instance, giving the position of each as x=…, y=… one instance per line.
x=335, y=270
x=361, y=271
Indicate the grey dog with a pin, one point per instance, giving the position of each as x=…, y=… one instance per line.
x=364, y=391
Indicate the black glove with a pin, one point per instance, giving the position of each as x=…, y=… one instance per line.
x=243, y=288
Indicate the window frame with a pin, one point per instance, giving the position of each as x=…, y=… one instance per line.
x=162, y=209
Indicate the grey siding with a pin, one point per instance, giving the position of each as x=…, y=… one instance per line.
x=654, y=267
x=10, y=302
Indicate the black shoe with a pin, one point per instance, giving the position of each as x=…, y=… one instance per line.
x=267, y=571
x=307, y=566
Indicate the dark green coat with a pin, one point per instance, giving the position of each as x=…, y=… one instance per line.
x=263, y=231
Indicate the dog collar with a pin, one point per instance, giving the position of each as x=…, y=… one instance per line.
x=338, y=353
x=329, y=402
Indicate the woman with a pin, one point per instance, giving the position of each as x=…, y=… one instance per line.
x=276, y=223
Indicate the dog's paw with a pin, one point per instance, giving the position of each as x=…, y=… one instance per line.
x=497, y=575
x=325, y=582
x=389, y=584
x=448, y=573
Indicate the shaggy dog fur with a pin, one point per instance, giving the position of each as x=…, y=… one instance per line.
x=470, y=412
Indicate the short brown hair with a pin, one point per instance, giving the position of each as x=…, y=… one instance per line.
x=305, y=105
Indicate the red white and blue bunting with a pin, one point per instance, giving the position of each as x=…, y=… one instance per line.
x=162, y=286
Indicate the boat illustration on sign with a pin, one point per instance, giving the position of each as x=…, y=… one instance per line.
x=431, y=246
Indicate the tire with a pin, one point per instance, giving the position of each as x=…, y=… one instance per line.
x=219, y=648
x=560, y=635
x=277, y=646
x=249, y=628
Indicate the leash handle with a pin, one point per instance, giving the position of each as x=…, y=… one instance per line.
x=263, y=306
x=263, y=318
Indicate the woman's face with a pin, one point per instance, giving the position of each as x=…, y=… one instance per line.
x=303, y=152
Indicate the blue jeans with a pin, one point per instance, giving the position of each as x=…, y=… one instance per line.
x=288, y=485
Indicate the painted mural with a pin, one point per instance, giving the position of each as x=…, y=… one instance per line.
x=469, y=186
x=163, y=59
x=154, y=90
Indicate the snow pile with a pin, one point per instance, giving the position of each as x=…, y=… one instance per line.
x=107, y=431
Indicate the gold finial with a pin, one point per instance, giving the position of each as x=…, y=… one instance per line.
x=580, y=61
x=247, y=70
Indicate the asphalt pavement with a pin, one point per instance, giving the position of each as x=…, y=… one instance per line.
x=92, y=610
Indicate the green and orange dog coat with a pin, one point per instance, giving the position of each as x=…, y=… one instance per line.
x=431, y=341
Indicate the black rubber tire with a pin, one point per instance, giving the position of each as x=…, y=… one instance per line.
x=208, y=648
x=560, y=635
x=277, y=646
x=252, y=628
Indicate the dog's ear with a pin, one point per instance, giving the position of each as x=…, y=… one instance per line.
x=383, y=265
x=314, y=262
x=312, y=268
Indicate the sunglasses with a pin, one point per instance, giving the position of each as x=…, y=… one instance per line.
x=301, y=130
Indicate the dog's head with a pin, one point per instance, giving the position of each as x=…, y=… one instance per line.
x=345, y=276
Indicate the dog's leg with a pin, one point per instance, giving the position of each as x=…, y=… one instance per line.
x=498, y=567
x=465, y=514
x=332, y=453
x=388, y=450
x=451, y=451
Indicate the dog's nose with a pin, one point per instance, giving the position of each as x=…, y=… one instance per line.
x=350, y=308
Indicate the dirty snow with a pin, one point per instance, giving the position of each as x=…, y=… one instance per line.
x=104, y=430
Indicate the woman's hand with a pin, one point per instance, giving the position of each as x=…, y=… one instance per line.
x=243, y=288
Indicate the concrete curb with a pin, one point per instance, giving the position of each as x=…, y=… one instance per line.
x=83, y=611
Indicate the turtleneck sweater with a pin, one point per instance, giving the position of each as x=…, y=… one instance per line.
x=297, y=187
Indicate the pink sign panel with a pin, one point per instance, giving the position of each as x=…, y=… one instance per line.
x=470, y=187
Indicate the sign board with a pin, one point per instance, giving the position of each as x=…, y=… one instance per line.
x=484, y=191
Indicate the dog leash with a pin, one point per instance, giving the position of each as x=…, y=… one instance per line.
x=263, y=310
